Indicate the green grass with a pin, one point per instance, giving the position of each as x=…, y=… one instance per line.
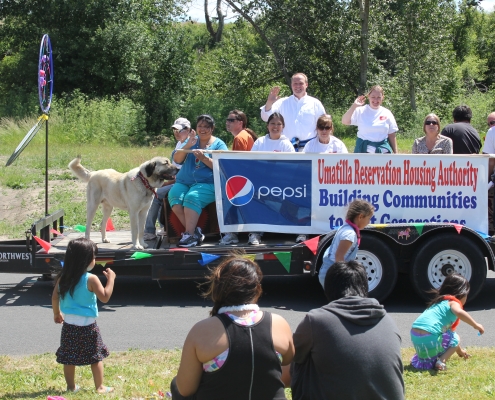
x=142, y=373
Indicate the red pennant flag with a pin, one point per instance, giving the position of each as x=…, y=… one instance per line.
x=55, y=232
x=110, y=227
x=312, y=244
x=46, y=246
x=178, y=249
x=458, y=227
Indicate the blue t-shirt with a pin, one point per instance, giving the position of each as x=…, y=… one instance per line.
x=83, y=302
x=194, y=171
x=437, y=319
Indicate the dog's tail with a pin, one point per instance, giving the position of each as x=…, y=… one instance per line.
x=78, y=170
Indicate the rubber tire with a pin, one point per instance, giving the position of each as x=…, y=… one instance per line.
x=371, y=245
x=442, y=242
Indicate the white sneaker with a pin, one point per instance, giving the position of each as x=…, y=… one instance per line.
x=229, y=238
x=254, y=239
x=161, y=232
x=149, y=236
x=301, y=238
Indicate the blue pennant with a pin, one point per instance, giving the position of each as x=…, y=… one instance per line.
x=483, y=235
x=208, y=258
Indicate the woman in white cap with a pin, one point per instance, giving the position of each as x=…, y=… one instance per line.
x=181, y=129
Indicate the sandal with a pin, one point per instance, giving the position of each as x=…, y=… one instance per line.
x=440, y=366
x=76, y=389
x=108, y=389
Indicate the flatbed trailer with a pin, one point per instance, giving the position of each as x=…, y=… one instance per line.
x=432, y=218
x=426, y=252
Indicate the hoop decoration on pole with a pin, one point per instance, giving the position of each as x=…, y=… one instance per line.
x=45, y=75
x=45, y=91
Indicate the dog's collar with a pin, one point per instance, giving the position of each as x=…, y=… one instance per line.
x=145, y=183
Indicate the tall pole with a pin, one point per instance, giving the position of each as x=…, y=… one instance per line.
x=46, y=169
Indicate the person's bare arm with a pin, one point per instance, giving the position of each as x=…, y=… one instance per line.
x=359, y=102
x=392, y=139
x=465, y=317
x=95, y=286
x=190, y=368
x=282, y=338
x=342, y=249
x=57, y=314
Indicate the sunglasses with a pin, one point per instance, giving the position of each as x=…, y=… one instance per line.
x=324, y=128
x=491, y=123
x=431, y=123
x=231, y=120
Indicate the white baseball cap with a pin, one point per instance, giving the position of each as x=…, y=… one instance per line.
x=181, y=123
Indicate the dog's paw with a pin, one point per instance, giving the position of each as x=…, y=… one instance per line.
x=138, y=247
x=105, y=240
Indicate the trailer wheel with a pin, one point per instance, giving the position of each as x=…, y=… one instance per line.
x=443, y=255
x=381, y=266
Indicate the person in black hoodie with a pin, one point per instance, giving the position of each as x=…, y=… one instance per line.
x=350, y=348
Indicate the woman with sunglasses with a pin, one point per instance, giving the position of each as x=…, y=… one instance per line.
x=194, y=188
x=325, y=142
x=432, y=142
x=376, y=124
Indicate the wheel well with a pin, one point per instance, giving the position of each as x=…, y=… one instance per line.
x=327, y=240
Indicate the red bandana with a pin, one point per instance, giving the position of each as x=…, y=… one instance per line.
x=452, y=298
x=145, y=183
x=356, y=229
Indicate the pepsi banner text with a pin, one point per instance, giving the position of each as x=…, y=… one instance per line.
x=308, y=193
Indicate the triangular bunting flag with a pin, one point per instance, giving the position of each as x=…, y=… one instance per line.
x=284, y=257
x=110, y=227
x=46, y=246
x=458, y=227
x=249, y=256
x=178, y=249
x=55, y=232
x=80, y=228
x=208, y=258
x=312, y=244
x=138, y=255
x=419, y=227
x=378, y=226
x=103, y=262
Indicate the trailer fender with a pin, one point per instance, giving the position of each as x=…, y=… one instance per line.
x=376, y=255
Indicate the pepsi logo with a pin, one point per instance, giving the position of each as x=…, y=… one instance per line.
x=239, y=190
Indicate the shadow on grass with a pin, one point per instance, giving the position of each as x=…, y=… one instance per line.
x=42, y=394
x=410, y=368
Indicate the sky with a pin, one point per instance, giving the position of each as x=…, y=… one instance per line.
x=197, y=14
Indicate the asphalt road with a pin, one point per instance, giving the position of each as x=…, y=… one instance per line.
x=141, y=315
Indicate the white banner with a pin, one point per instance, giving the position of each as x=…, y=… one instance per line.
x=308, y=193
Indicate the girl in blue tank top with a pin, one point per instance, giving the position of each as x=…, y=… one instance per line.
x=74, y=305
x=433, y=333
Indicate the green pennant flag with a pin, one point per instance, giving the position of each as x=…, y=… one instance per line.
x=419, y=227
x=139, y=255
x=284, y=258
x=80, y=228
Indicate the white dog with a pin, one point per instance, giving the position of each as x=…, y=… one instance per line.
x=132, y=191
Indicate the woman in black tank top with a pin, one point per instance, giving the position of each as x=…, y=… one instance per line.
x=239, y=351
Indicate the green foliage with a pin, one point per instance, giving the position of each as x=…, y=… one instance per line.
x=109, y=120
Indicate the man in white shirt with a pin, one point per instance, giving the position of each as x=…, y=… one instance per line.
x=300, y=111
x=489, y=145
